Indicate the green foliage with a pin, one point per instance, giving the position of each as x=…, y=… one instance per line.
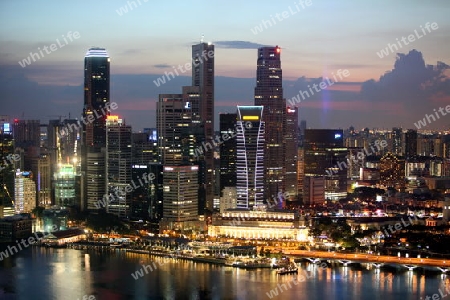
x=104, y=222
x=38, y=211
x=336, y=229
x=367, y=193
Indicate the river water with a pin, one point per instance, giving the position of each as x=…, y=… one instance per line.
x=41, y=273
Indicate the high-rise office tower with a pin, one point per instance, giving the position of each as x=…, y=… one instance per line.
x=301, y=132
x=26, y=133
x=27, y=136
x=203, y=77
x=180, y=207
x=8, y=165
x=145, y=147
x=42, y=170
x=96, y=102
x=24, y=192
x=96, y=96
x=250, y=156
x=410, y=143
x=325, y=155
x=173, y=117
x=227, y=151
x=118, y=166
x=64, y=182
x=291, y=153
x=397, y=141
x=269, y=93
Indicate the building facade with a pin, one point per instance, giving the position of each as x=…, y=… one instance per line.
x=250, y=153
x=269, y=93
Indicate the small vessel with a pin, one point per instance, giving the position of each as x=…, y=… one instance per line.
x=292, y=268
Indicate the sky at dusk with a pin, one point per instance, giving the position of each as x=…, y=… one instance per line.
x=317, y=39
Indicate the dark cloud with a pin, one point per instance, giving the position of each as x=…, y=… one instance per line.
x=238, y=45
x=417, y=86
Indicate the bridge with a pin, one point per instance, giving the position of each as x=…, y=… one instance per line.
x=376, y=260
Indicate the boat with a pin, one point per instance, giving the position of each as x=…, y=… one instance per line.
x=257, y=263
x=292, y=268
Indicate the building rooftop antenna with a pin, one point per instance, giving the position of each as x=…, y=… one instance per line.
x=201, y=40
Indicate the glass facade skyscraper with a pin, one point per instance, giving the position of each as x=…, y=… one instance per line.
x=250, y=156
x=269, y=93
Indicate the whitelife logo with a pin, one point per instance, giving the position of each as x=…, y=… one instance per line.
x=73, y=127
x=53, y=47
x=431, y=118
x=318, y=87
x=266, y=24
x=187, y=67
x=391, y=48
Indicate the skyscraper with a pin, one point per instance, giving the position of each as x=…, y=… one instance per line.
x=250, y=156
x=227, y=152
x=325, y=155
x=180, y=207
x=291, y=151
x=118, y=165
x=397, y=141
x=96, y=96
x=173, y=117
x=203, y=77
x=96, y=102
x=410, y=143
x=269, y=93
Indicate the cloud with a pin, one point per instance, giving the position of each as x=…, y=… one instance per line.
x=238, y=45
x=131, y=52
x=162, y=66
x=418, y=87
x=399, y=98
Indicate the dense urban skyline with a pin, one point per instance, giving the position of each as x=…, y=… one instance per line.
x=317, y=40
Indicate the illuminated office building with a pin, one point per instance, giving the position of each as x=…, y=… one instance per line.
x=250, y=142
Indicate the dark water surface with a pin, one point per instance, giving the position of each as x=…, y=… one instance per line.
x=39, y=273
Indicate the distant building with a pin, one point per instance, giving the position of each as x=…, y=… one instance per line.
x=55, y=218
x=446, y=210
x=314, y=190
x=15, y=228
x=10, y=162
x=291, y=154
x=42, y=168
x=228, y=198
x=65, y=186
x=392, y=171
x=326, y=156
x=397, y=141
x=24, y=192
x=410, y=143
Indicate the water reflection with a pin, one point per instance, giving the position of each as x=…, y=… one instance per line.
x=40, y=273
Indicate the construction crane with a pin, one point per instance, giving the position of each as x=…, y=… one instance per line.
x=9, y=195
